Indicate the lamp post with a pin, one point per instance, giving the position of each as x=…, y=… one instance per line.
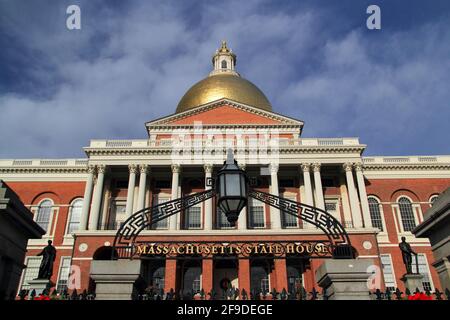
x=231, y=189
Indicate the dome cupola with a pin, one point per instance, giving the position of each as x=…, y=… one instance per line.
x=223, y=82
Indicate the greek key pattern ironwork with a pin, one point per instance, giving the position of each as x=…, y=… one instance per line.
x=130, y=229
x=319, y=218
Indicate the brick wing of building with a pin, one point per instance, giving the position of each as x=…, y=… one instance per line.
x=82, y=202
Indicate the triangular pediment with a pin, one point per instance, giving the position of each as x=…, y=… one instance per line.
x=225, y=112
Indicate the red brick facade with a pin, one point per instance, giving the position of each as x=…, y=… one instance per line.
x=85, y=245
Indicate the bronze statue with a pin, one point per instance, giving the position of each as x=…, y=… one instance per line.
x=407, y=253
x=48, y=257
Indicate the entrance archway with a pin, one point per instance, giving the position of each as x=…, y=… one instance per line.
x=260, y=270
x=189, y=277
x=153, y=273
x=225, y=275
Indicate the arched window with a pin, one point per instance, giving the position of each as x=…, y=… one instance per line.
x=224, y=64
x=433, y=198
x=43, y=214
x=75, y=216
x=375, y=213
x=406, y=214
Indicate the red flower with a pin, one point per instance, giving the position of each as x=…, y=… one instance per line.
x=419, y=296
x=41, y=297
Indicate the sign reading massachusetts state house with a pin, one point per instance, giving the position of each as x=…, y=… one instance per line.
x=239, y=249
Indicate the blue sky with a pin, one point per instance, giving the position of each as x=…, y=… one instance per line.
x=132, y=61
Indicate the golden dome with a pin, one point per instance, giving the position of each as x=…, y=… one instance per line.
x=223, y=82
x=220, y=86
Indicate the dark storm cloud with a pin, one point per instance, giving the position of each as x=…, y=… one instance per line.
x=132, y=61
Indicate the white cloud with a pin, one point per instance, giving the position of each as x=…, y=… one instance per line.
x=125, y=68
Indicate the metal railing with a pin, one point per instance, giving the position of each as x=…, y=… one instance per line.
x=298, y=293
x=397, y=294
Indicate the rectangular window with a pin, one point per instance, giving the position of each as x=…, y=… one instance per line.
x=256, y=214
x=193, y=217
x=265, y=285
x=222, y=220
x=423, y=270
x=117, y=214
x=332, y=207
x=197, y=284
x=289, y=220
x=31, y=271
x=161, y=224
x=63, y=278
x=388, y=272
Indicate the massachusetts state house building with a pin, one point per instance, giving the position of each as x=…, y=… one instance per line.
x=81, y=203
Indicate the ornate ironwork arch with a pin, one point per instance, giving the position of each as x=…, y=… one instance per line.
x=333, y=229
x=130, y=229
x=317, y=217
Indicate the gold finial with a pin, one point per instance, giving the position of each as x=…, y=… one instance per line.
x=224, y=47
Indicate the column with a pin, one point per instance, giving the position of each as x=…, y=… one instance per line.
x=130, y=192
x=308, y=191
x=363, y=196
x=97, y=200
x=87, y=198
x=142, y=185
x=170, y=276
x=244, y=276
x=242, y=221
x=208, y=224
x=275, y=217
x=207, y=275
x=280, y=274
x=318, y=186
x=175, y=182
x=354, y=203
x=307, y=182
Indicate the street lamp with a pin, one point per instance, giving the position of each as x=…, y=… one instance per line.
x=231, y=189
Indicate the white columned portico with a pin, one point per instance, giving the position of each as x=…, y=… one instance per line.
x=97, y=199
x=143, y=168
x=275, y=217
x=242, y=220
x=87, y=198
x=208, y=203
x=306, y=168
x=353, y=195
x=363, y=195
x=307, y=181
x=173, y=225
x=130, y=192
x=318, y=186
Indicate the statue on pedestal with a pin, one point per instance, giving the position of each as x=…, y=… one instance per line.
x=48, y=257
x=407, y=253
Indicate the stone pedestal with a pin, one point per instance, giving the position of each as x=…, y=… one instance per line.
x=345, y=279
x=115, y=279
x=442, y=267
x=39, y=285
x=413, y=282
